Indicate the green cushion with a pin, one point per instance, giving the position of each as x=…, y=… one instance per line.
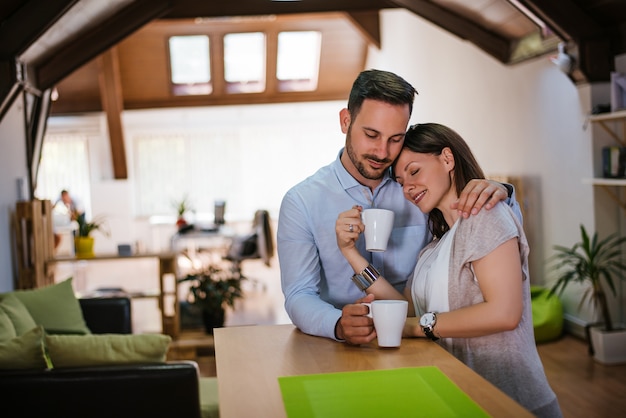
x=106, y=349
x=24, y=352
x=547, y=314
x=209, y=405
x=7, y=330
x=17, y=312
x=55, y=307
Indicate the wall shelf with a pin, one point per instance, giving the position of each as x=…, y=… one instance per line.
x=605, y=182
x=603, y=120
x=619, y=116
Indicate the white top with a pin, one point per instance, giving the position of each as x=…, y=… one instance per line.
x=430, y=279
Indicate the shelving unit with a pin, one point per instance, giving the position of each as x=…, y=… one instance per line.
x=618, y=116
x=608, y=218
x=167, y=293
x=606, y=122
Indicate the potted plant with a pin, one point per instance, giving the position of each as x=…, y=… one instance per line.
x=597, y=263
x=210, y=291
x=182, y=206
x=83, y=241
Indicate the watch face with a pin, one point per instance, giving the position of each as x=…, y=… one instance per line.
x=427, y=319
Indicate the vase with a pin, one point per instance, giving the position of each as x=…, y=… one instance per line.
x=84, y=247
x=213, y=319
x=609, y=347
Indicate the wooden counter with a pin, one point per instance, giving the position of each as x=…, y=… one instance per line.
x=251, y=358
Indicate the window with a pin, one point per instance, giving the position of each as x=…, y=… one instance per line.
x=170, y=166
x=64, y=165
x=244, y=62
x=298, y=60
x=190, y=65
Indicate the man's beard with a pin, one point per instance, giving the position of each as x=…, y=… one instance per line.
x=360, y=166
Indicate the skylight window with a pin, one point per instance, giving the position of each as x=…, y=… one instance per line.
x=190, y=65
x=244, y=62
x=298, y=60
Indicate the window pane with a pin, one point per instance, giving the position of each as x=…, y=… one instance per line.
x=298, y=60
x=64, y=165
x=197, y=165
x=161, y=172
x=190, y=64
x=244, y=62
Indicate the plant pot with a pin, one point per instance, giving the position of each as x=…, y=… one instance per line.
x=84, y=247
x=213, y=319
x=608, y=347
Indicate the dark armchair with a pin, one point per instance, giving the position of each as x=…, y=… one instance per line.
x=107, y=315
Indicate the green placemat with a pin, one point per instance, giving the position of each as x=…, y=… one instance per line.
x=406, y=392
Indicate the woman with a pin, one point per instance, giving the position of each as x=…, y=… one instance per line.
x=470, y=289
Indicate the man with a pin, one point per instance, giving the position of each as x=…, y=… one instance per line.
x=72, y=205
x=316, y=279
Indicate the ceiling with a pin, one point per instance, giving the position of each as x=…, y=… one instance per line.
x=343, y=54
x=45, y=40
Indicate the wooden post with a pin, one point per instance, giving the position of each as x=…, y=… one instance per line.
x=34, y=242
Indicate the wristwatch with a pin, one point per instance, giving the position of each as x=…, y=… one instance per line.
x=428, y=321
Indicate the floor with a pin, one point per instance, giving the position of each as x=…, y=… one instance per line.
x=585, y=388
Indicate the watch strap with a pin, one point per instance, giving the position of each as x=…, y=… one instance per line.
x=429, y=331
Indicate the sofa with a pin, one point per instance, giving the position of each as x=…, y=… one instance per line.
x=94, y=368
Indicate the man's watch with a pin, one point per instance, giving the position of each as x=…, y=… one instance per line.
x=428, y=321
x=366, y=278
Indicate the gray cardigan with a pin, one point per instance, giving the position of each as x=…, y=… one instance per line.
x=508, y=359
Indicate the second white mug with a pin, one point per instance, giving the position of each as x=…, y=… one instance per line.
x=389, y=317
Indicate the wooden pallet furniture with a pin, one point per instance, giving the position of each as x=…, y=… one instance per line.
x=33, y=243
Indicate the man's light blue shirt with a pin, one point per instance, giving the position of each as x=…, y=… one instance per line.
x=315, y=276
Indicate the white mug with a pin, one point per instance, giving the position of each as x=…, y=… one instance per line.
x=378, y=226
x=389, y=317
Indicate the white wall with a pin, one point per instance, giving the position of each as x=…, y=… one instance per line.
x=12, y=168
x=269, y=149
x=527, y=120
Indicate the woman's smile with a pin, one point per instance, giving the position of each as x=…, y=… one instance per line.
x=416, y=199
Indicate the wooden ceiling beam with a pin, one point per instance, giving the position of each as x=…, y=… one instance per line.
x=10, y=86
x=368, y=23
x=564, y=18
x=570, y=23
x=97, y=40
x=490, y=42
x=28, y=23
x=184, y=9
x=112, y=103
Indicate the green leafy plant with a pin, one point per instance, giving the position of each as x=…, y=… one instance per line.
x=593, y=261
x=213, y=288
x=182, y=206
x=85, y=228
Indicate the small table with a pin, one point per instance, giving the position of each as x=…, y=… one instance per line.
x=251, y=358
x=189, y=344
x=168, y=299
